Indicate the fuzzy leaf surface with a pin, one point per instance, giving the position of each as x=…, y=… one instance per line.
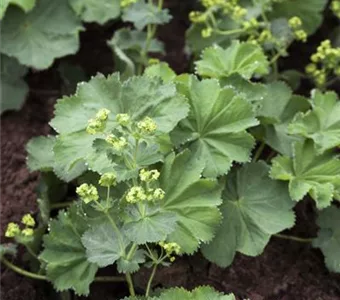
x=47, y=32
x=142, y=14
x=152, y=226
x=103, y=245
x=308, y=172
x=13, y=88
x=244, y=59
x=40, y=153
x=99, y=11
x=132, y=265
x=328, y=239
x=67, y=266
x=321, y=123
x=138, y=97
x=25, y=5
x=216, y=127
x=254, y=207
x=192, y=199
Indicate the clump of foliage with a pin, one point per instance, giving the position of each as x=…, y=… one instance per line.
x=166, y=165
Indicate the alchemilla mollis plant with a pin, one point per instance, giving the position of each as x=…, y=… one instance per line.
x=163, y=165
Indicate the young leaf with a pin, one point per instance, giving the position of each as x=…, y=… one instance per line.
x=99, y=11
x=142, y=14
x=321, y=123
x=138, y=96
x=25, y=5
x=216, y=126
x=194, y=200
x=308, y=172
x=48, y=32
x=328, y=239
x=103, y=244
x=310, y=12
x=245, y=59
x=254, y=207
x=150, y=226
x=40, y=153
x=13, y=88
x=276, y=135
x=64, y=254
x=132, y=265
x=161, y=70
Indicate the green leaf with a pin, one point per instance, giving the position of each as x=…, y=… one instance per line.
x=254, y=207
x=216, y=126
x=199, y=293
x=161, y=70
x=127, y=45
x=10, y=249
x=328, y=239
x=310, y=12
x=142, y=14
x=14, y=89
x=40, y=153
x=138, y=96
x=132, y=265
x=64, y=254
x=308, y=172
x=153, y=225
x=48, y=32
x=25, y=5
x=103, y=244
x=321, y=123
x=245, y=59
x=99, y=11
x=194, y=200
x=277, y=135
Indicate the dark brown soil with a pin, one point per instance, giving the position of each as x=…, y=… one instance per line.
x=287, y=270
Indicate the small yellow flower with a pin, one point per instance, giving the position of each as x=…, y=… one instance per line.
x=28, y=232
x=123, y=119
x=206, y=32
x=147, y=125
x=108, y=179
x=87, y=192
x=148, y=176
x=12, y=230
x=28, y=220
x=117, y=143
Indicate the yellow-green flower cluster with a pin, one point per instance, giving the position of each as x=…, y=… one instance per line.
x=147, y=126
x=170, y=249
x=148, y=176
x=335, y=7
x=118, y=143
x=325, y=61
x=123, y=119
x=108, y=179
x=126, y=3
x=139, y=194
x=87, y=192
x=198, y=17
x=13, y=229
x=295, y=24
x=98, y=124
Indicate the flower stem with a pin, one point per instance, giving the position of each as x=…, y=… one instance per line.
x=60, y=205
x=22, y=271
x=109, y=279
x=294, y=238
x=130, y=284
x=154, y=269
x=229, y=32
x=259, y=151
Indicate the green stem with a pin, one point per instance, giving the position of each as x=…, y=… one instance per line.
x=107, y=196
x=154, y=269
x=259, y=151
x=130, y=284
x=109, y=279
x=30, y=251
x=229, y=32
x=22, y=271
x=294, y=238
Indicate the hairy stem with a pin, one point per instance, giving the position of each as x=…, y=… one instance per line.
x=294, y=238
x=60, y=205
x=130, y=284
x=259, y=151
x=154, y=269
